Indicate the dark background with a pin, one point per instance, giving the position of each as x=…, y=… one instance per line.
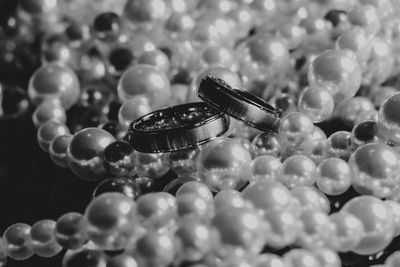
x=33, y=188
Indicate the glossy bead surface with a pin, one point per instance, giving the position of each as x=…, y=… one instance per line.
x=300, y=258
x=70, y=231
x=143, y=11
x=43, y=240
x=151, y=165
x=229, y=198
x=123, y=185
x=195, y=187
x=155, y=58
x=327, y=257
x=297, y=170
x=310, y=198
x=334, y=176
x=377, y=219
x=195, y=206
x=146, y=81
x=111, y=221
x=265, y=168
x=240, y=228
x=16, y=241
x=224, y=164
x=366, y=17
x=266, y=144
x=284, y=228
x=376, y=169
x=336, y=72
x=294, y=128
x=154, y=249
x=49, y=110
x=389, y=119
x=317, y=103
x=133, y=109
x=117, y=159
x=395, y=207
x=107, y=26
x=183, y=162
x=54, y=81
x=157, y=211
x=364, y=132
x=85, y=258
x=352, y=109
x=86, y=147
x=339, y=145
x=58, y=150
x=123, y=260
x=270, y=260
x=49, y=131
x=349, y=230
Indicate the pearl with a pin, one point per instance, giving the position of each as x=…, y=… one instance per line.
x=70, y=231
x=145, y=80
x=16, y=241
x=388, y=120
x=180, y=23
x=193, y=240
x=143, y=11
x=85, y=258
x=49, y=131
x=157, y=211
x=240, y=228
x=395, y=207
x=49, y=110
x=174, y=185
x=339, y=145
x=317, y=229
x=364, y=132
x=216, y=55
x=133, y=109
x=183, y=162
x=224, y=164
x=107, y=26
x=154, y=250
x=59, y=51
x=229, y=198
x=383, y=8
x=58, y=150
x=334, y=176
x=284, y=228
x=111, y=221
x=194, y=205
x=317, y=103
x=379, y=94
x=84, y=153
x=197, y=188
x=349, y=230
x=95, y=95
x=123, y=185
x=266, y=144
x=337, y=72
x=155, y=58
x=294, y=128
x=352, y=109
x=3, y=254
x=268, y=195
x=393, y=259
x=117, y=159
x=377, y=219
x=327, y=257
x=376, y=169
x=293, y=34
x=297, y=170
x=270, y=260
x=300, y=258
x=42, y=239
x=123, y=260
x=54, y=81
x=265, y=168
x=366, y=17
x=151, y=165
x=311, y=199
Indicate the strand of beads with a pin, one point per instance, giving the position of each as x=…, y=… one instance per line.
x=125, y=57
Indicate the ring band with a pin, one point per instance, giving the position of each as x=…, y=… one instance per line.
x=239, y=104
x=177, y=128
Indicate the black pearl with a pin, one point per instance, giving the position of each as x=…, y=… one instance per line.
x=126, y=186
x=120, y=58
x=117, y=158
x=87, y=258
x=335, y=16
x=107, y=25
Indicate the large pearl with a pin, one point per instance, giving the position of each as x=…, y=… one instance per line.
x=157, y=211
x=240, y=228
x=337, y=72
x=389, y=119
x=17, y=242
x=297, y=170
x=54, y=81
x=111, y=221
x=334, y=176
x=224, y=164
x=339, y=146
x=43, y=239
x=284, y=228
x=395, y=206
x=49, y=131
x=270, y=260
x=317, y=103
x=124, y=185
x=70, y=231
x=85, y=258
x=133, y=109
x=146, y=11
x=145, y=80
x=268, y=195
x=349, y=230
x=294, y=128
x=378, y=222
x=376, y=169
x=366, y=17
x=154, y=250
x=352, y=109
x=85, y=151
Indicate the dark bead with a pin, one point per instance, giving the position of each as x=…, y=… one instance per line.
x=117, y=158
x=182, y=77
x=126, y=186
x=87, y=258
x=107, y=24
x=114, y=128
x=113, y=109
x=365, y=131
x=11, y=27
x=95, y=95
x=14, y=101
x=120, y=58
x=335, y=17
x=77, y=32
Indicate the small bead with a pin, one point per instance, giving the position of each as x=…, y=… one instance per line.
x=123, y=260
x=297, y=170
x=151, y=165
x=334, y=176
x=120, y=58
x=155, y=58
x=43, y=241
x=117, y=159
x=49, y=110
x=183, y=162
x=317, y=103
x=133, y=109
x=85, y=258
x=294, y=128
x=107, y=25
x=58, y=150
x=363, y=133
x=349, y=230
x=265, y=167
x=16, y=241
x=339, y=145
x=70, y=231
x=154, y=249
x=124, y=185
x=49, y=131
x=266, y=144
x=311, y=199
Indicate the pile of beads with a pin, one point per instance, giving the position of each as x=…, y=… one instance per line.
x=245, y=196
